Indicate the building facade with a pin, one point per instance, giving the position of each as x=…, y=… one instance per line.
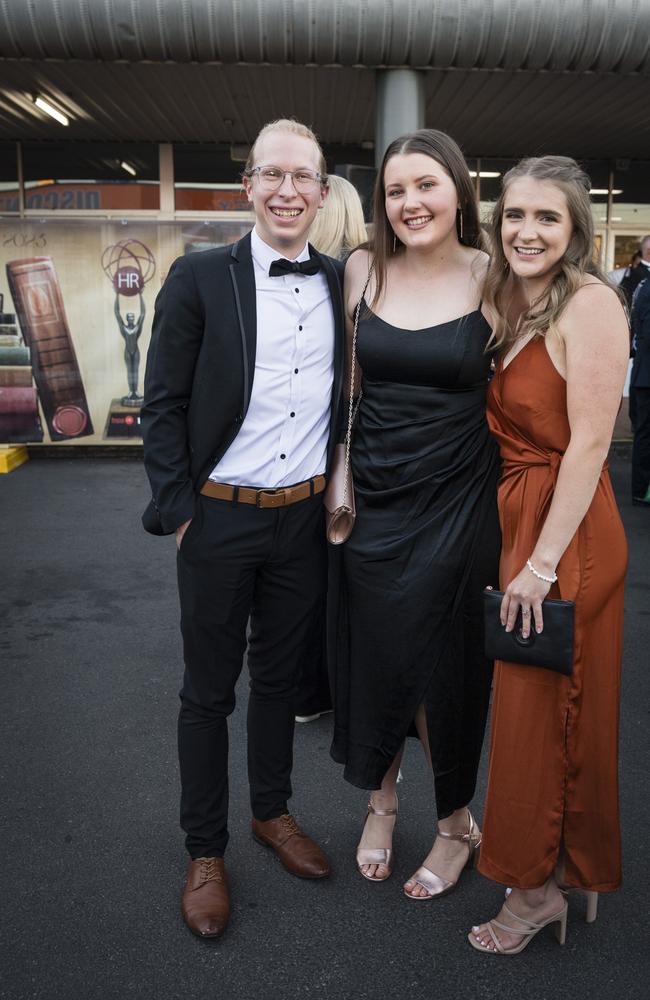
x=158, y=102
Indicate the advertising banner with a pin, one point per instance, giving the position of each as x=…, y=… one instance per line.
x=76, y=304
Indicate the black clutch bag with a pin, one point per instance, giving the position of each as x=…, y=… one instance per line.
x=552, y=648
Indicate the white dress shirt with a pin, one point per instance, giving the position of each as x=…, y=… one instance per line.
x=283, y=438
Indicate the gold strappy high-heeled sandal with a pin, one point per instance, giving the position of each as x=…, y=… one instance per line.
x=377, y=855
x=437, y=886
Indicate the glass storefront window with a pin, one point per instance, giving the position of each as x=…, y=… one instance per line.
x=77, y=304
x=91, y=176
x=490, y=177
x=206, y=179
x=8, y=177
x=598, y=171
x=625, y=246
x=631, y=201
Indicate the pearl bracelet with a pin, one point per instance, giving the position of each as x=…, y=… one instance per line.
x=540, y=576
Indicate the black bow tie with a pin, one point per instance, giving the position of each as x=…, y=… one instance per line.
x=284, y=266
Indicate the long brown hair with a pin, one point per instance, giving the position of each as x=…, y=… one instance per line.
x=441, y=148
x=544, y=313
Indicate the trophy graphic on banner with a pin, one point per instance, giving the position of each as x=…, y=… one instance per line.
x=128, y=265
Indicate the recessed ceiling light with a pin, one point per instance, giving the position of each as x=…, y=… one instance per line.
x=605, y=191
x=239, y=152
x=129, y=169
x=485, y=173
x=45, y=106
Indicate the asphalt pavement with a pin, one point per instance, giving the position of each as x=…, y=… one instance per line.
x=92, y=856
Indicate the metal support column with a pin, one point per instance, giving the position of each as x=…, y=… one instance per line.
x=400, y=106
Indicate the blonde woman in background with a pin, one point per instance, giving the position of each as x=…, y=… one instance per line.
x=339, y=227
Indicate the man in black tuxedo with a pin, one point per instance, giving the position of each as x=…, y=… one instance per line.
x=242, y=393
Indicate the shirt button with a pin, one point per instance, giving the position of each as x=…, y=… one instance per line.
x=296, y=290
x=295, y=371
x=292, y=414
x=300, y=328
x=283, y=456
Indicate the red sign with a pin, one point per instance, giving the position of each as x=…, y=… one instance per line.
x=128, y=281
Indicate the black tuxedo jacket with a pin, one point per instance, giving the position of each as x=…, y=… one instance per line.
x=640, y=377
x=199, y=376
x=633, y=278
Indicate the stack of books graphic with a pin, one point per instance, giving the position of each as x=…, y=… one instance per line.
x=19, y=419
x=36, y=292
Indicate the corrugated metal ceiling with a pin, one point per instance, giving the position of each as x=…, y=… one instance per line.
x=505, y=77
x=576, y=35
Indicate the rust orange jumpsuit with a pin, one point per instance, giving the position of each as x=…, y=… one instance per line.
x=553, y=776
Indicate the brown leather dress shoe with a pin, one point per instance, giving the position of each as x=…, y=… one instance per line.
x=205, y=903
x=297, y=852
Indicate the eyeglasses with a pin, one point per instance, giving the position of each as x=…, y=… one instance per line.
x=272, y=178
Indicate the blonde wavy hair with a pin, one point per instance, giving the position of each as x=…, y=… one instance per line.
x=544, y=313
x=339, y=226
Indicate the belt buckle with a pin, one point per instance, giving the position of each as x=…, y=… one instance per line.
x=281, y=494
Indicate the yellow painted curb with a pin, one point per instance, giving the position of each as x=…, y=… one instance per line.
x=11, y=458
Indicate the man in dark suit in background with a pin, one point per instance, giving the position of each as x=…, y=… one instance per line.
x=640, y=393
x=637, y=274
x=242, y=393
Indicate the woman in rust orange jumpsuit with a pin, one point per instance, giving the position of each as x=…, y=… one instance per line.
x=551, y=818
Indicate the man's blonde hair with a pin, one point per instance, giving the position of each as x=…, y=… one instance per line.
x=295, y=128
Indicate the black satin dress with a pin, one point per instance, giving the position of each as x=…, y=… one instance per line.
x=405, y=608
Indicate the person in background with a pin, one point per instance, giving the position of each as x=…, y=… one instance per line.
x=242, y=400
x=338, y=229
x=637, y=274
x=551, y=813
x=404, y=619
x=640, y=395
x=617, y=275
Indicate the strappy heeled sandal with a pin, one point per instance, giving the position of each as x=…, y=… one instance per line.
x=528, y=932
x=378, y=855
x=436, y=885
x=591, y=899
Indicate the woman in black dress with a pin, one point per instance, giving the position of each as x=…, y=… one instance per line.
x=406, y=628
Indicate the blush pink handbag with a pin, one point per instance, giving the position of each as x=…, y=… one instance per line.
x=340, y=509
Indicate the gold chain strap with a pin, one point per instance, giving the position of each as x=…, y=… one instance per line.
x=352, y=407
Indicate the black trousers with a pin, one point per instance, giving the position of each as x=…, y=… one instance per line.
x=313, y=693
x=237, y=561
x=640, y=419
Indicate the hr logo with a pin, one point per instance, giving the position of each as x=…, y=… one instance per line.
x=129, y=265
x=128, y=281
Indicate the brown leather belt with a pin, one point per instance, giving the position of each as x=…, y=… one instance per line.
x=282, y=497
